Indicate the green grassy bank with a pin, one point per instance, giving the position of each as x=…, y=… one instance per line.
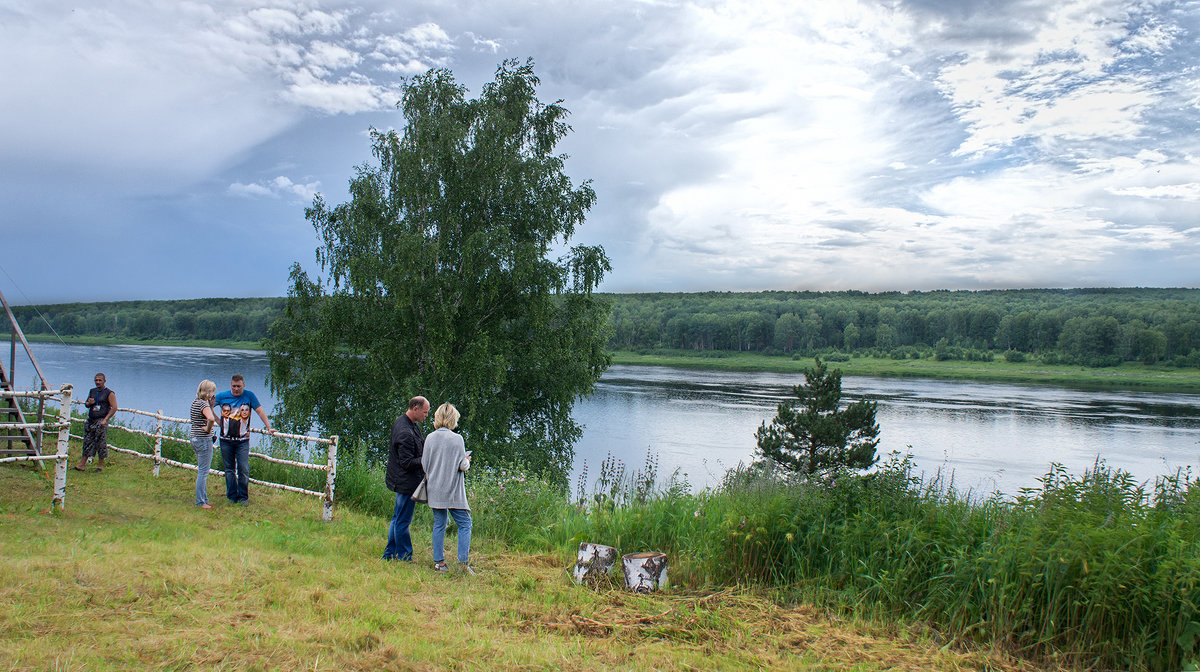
x=130, y=576
x=1129, y=375
x=1089, y=571
x=174, y=342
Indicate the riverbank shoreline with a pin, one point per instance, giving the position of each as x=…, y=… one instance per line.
x=160, y=342
x=1127, y=376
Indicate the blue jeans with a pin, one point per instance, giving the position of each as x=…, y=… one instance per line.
x=236, y=457
x=204, y=450
x=399, y=543
x=462, y=518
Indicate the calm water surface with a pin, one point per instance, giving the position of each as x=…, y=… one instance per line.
x=991, y=436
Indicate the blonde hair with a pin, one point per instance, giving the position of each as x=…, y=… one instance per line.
x=206, y=390
x=446, y=416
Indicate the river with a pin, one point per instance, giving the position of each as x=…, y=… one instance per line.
x=990, y=436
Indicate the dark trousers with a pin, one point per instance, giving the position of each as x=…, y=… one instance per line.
x=95, y=439
x=236, y=456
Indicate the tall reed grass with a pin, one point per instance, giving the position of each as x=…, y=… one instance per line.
x=1093, y=568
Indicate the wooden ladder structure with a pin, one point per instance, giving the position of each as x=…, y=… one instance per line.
x=23, y=440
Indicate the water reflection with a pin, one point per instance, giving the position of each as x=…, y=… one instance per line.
x=990, y=436
x=993, y=436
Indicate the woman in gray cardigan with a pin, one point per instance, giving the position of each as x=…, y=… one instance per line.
x=445, y=459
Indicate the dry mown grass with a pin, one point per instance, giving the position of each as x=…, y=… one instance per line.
x=131, y=576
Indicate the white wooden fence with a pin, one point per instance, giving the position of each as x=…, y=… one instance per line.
x=329, y=467
x=60, y=456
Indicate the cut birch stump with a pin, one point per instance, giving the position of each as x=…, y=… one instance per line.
x=595, y=562
x=645, y=572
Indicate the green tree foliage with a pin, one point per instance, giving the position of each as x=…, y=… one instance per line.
x=970, y=325
x=439, y=281
x=812, y=434
x=191, y=319
x=789, y=331
x=850, y=336
x=1155, y=326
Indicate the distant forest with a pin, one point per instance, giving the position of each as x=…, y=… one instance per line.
x=1091, y=327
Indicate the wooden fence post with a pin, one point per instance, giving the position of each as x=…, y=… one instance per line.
x=61, y=457
x=157, y=442
x=330, y=477
x=38, y=442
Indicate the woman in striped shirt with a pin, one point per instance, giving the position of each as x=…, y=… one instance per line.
x=202, y=438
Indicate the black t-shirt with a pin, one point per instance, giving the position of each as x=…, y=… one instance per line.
x=101, y=408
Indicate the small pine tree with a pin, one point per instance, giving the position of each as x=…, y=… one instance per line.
x=810, y=434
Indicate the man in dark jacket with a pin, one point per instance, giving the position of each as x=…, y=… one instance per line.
x=404, y=474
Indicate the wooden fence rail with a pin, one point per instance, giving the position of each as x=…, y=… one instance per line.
x=329, y=467
x=63, y=396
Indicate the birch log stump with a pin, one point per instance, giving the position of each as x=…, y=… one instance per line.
x=595, y=562
x=645, y=572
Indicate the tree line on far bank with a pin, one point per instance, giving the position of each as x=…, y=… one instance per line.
x=192, y=319
x=1091, y=327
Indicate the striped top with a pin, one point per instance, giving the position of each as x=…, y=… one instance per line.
x=198, y=420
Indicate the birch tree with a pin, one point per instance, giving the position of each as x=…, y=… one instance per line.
x=439, y=278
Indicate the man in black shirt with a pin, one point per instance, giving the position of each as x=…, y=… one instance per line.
x=102, y=405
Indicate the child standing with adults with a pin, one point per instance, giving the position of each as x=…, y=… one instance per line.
x=446, y=460
x=203, y=420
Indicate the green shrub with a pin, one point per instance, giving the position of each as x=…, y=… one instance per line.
x=509, y=503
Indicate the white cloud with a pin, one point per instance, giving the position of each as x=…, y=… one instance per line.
x=276, y=188
x=806, y=154
x=251, y=190
x=1058, y=85
x=349, y=95
x=1186, y=192
x=1153, y=38
x=428, y=36
x=323, y=57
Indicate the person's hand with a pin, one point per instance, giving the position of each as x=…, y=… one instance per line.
x=103, y=422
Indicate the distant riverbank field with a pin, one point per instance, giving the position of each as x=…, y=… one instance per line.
x=1141, y=338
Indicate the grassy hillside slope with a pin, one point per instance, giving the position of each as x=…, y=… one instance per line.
x=131, y=576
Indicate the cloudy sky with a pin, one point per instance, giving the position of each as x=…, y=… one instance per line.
x=155, y=149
